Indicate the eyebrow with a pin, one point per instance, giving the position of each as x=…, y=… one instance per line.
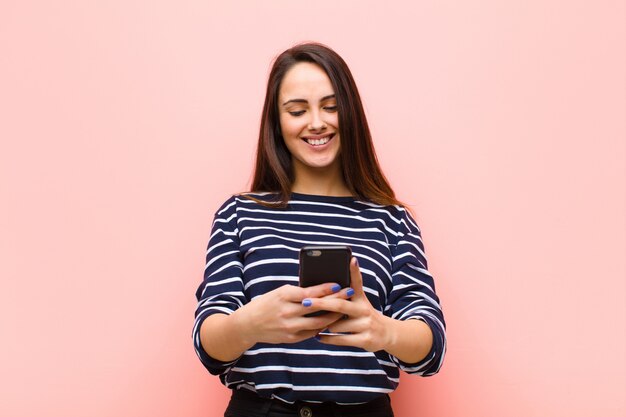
x=301, y=100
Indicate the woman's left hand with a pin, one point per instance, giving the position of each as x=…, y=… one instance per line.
x=368, y=328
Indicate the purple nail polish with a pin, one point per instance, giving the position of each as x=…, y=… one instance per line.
x=350, y=292
x=307, y=303
x=335, y=287
x=356, y=261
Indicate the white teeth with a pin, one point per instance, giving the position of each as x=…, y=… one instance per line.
x=317, y=142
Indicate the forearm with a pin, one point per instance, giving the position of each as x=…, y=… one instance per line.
x=223, y=338
x=408, y=340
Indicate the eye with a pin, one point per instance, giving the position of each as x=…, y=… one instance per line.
x=296, y=113
x=331, y=108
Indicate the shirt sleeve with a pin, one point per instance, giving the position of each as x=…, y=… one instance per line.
x=221, y=290
x=413, y=295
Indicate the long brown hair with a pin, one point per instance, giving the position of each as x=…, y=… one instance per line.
x=360, y=168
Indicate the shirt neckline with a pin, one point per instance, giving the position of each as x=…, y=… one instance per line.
x=321, y=198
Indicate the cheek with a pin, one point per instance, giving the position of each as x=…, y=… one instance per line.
x=289, y=127
x=333, y=119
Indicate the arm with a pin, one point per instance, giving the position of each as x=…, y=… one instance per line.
x=275, y=317
x=221, y=291
x=408, y=340
x=227, y=324
x=413, y=298
x=412, y=329
x=231, y=344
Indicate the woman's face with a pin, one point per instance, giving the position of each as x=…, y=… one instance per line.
x=309, y=120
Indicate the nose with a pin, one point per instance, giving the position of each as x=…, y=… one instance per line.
x=316, y=122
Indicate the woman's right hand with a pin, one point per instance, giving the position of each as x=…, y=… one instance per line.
x=279, y=316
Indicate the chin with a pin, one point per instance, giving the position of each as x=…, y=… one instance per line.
x=318, y=164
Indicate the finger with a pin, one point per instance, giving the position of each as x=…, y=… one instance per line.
x=337, y=305
x=340, y=340
x=297, y=294
x=316, y=322
x=347, y=326
x=356, y=279
x=344, y=293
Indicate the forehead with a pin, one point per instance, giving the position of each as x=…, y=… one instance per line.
x=304, y=80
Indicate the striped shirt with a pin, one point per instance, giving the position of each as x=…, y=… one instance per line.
x=254, y=249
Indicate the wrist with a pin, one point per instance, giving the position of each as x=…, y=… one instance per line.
x=391, y=334
x=243, y=328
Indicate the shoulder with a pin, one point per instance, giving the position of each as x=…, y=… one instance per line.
x=407, y=221
x=397, y=217
x=243, y=199
x=227, y=207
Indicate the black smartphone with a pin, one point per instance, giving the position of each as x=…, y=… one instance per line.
x=321, y=264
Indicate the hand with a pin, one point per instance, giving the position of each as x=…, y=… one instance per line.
x=278, y=316
x=367, y=327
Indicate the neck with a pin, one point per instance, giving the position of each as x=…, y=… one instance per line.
x=326, y=181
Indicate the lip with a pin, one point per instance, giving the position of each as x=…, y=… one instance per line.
x=316, y=137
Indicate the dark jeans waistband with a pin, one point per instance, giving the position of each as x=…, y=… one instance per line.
x=245, y=402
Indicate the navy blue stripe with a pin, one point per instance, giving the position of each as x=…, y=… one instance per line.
x=387, y=242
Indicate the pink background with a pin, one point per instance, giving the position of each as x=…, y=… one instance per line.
x=124, y=124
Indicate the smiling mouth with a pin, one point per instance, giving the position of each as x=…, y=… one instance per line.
x=320, y=140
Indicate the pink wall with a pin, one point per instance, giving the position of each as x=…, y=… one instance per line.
x=123, y=125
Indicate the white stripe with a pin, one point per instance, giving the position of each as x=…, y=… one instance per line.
x=328, y=215
x=279, y=278
x=422, y=270
x=214, y=301
x=410, y=308
x=201, y=316
x=223, y=232
x=323, y=387
x=309, y=352
x=417, y=368
x=387, y=213
x=296, y=281
x=221, y=282
x=365, y=271
x=218, y=257
x=217, y=245
x=308, y=242
x=318, y=225
x=224, y=281
x=227, y=207
x=414, y=279
x=415, y=245
x=310, y=370
x=226, y=220
x=409, y=218
x=223, y=267
x=405, y=255
x=275, y=261
x=387, y=363
x=309, y=233
x=255, y=248
x=220, y=309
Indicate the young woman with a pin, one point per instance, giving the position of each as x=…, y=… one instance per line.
x=316, y=182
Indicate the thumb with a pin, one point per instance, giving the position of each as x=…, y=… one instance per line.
x=356, y=279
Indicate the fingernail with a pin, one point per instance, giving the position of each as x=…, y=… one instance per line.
x=356, y=261
x=318, y=337
x=350, y=292
x=307, y=303
x=335, y=287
